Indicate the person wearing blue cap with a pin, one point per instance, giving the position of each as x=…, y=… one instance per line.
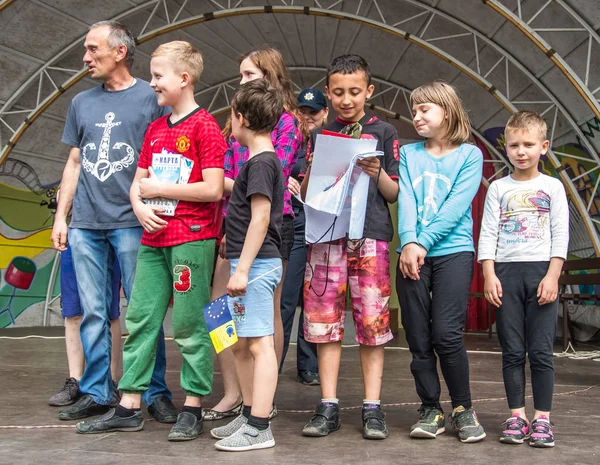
x=314, y=111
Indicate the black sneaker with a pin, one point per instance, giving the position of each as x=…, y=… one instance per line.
x=374, y=426
x=163, y=410
x=310, y=378
x=466, y=423
x=85, y=407
x=431, y=423
x=188, y=427
x=325, y=420
x=68, y=394
x=110, y=422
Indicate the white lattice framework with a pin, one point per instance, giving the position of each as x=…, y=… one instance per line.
x=368, y=13
x=586, y=83
x=218, y=98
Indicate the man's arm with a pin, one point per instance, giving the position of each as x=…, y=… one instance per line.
x=210, y=189
x=68, y=185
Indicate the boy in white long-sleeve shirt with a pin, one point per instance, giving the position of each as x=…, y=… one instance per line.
x=522, y=246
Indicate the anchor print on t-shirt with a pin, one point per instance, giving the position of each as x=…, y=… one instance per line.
x=103, y=168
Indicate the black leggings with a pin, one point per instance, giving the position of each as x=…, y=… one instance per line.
x=523, y=327
x=434, y=311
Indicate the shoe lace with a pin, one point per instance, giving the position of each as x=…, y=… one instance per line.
x=540, y=426
x=514, y=423
x=464, y=418
x=428, y=413
x=70, y=383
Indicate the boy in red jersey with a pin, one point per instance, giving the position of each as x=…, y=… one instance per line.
x=176, y=256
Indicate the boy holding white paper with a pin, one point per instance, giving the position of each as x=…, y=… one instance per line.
x=364, y=263
x=177, y=252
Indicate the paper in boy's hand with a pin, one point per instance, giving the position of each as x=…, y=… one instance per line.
x=220, y=324
x=169, y=168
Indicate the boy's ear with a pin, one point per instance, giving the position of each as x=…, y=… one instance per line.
x=545, y=146
x=185, y=79
x=327, y=92
x=370, y=90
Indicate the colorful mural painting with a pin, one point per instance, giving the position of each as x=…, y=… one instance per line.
x=26, y=258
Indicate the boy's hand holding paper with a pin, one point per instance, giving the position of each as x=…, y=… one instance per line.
x=370, y=165
x=150, y=187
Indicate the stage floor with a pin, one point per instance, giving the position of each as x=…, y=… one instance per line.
x=33, y=369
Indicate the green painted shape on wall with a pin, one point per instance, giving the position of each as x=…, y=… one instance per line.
x=21, y=210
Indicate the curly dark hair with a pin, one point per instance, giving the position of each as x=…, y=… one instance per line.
x=260, y=104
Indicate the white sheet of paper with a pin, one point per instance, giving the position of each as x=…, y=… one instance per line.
x=332, y=158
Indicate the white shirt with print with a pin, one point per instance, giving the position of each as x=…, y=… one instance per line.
x=525, y=221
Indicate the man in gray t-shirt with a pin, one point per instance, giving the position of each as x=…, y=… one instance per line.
x=105, y=129
x=108, y=128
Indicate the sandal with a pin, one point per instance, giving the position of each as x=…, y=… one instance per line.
x=211, y=415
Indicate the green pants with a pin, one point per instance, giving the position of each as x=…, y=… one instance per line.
x=183, y=272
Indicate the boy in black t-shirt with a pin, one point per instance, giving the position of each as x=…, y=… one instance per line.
x=362, y=264
x=254, y=217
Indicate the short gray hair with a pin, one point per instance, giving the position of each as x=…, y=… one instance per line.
x=119, y=35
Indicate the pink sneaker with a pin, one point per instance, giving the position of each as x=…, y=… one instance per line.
x=516, y=430
x=541, y=433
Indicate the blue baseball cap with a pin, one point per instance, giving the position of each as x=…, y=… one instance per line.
x=312, y=98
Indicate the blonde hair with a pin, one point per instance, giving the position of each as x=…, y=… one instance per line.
x=184, y=56
x=528, y=120
x=457, y=124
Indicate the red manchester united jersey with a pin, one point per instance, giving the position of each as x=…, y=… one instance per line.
x=198, y=138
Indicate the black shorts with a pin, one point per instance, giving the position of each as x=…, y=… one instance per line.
x=287, y=237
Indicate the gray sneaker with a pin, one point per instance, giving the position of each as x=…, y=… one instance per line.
x=110, y=422
x=431, y=423
x=247, y=438
x=69, y=394
x=223, y=432
x=466, y=423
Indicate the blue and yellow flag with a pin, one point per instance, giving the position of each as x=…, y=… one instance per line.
x=220, y=324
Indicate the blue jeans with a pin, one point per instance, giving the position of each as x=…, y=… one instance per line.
x=306, y=352
x=93, y=257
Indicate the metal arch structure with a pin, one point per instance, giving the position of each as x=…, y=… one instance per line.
x=581, y=83
x=5, y=3
x=225, y=89
x=580, y=198
x=42, y=75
